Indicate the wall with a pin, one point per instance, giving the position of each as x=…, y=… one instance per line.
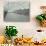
x=22, y=27
x=25, y=28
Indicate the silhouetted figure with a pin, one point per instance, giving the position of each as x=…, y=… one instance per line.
x=5, y=13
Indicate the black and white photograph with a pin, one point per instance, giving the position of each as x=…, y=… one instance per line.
x=17, y=11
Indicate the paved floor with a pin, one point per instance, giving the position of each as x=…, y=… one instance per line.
x=16, y=17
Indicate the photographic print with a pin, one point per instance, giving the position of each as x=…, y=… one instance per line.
x=16, y=11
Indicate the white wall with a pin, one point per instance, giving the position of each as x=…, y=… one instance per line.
x=25, y=28
x=21, y=26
